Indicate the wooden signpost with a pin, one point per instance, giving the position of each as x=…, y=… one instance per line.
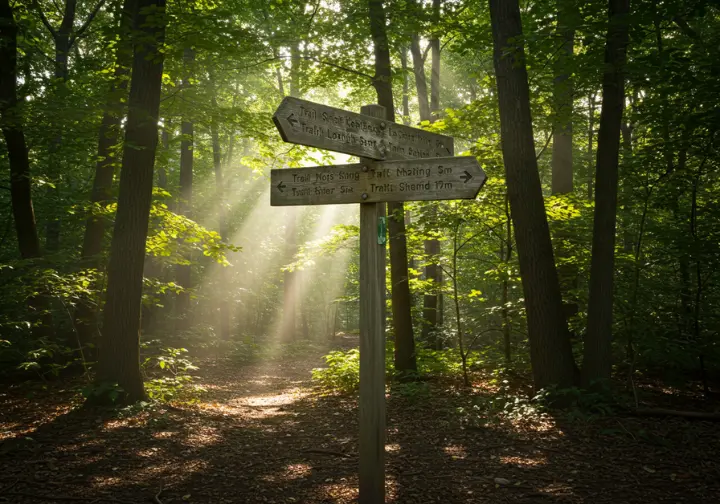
x=397, y=163
x=307, y=123
x=421, y=179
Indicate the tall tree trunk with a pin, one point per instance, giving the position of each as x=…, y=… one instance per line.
x=162, y=168
x=420, y=79
x=435, y=62
x=184, y=271
x=562, y=152
x=406, y=87
x=86, y=323
x=597, y=351
x=550, y=351
x=11, y=122
x=591, y=134
x=562, y=155
x=61, y=37
x=433, y=272
x=223, y=306
x=119, y=362
x=402, y=319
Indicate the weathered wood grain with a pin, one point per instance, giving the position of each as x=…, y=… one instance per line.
x=372, y=349
x=316, y=125
x=420, y=179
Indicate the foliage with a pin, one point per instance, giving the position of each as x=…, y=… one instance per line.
x=342, y=373
x=170, y=375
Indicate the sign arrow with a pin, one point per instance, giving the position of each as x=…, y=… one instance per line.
x=413, y=180
x=315, y=125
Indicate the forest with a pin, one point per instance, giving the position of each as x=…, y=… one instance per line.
x=168, y=335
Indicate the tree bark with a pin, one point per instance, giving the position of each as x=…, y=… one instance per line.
x=562, y=154
x=406, y=87
x=86, y=323
x=12, y=128
x=435, y=63
x=184, y=271
x=433, y=272
x=402, y=319
x=591, y=134
x=550, y=351
x=119, y=362
x=420, y=79
x=223, y=307
x=597, y=351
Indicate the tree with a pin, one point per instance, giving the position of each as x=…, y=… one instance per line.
x=12, y=129
x=597, y=350
x=65, y=37
x=562, y=134
x=402, y=320
x=550, y=350
x=119, y=351
x=108, y=138
x=187, y=130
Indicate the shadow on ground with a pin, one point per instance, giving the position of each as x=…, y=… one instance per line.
x=263, y=436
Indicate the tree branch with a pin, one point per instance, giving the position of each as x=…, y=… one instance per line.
x=44, y=19
x=547, y=142
x=79, y=33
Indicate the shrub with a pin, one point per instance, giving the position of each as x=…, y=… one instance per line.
x=342, y=373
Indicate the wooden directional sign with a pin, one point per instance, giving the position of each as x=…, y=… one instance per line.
x=420, y=179
x=315, y=125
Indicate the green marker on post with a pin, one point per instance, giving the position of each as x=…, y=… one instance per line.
x=382, y=230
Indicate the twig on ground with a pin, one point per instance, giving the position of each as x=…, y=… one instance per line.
x=66, y=498
x=157, y=496
x=11, y=486
x=327, y=452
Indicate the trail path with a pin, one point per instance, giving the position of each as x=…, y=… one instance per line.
x=262, y=435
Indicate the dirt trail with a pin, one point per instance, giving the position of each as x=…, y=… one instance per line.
x=262, y=435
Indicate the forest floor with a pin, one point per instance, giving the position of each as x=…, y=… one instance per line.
x=262, y=434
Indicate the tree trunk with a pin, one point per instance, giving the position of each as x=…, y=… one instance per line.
x=223, y=306
x=86, y=323
x=420, y=79
x=431, y=300
x=61, y=38
x=550, y=351
x=435, y=63
x=184, y=271
x=12, y=129
x=597, y=351
x=119, y=362
x=591, y=133
x=406, y=87
x=562, y=154
x=402, y=319
x=162, y=168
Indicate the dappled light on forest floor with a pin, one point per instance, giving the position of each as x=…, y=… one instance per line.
x=262, y=434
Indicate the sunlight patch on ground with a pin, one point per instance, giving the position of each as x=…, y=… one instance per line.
x=203, y=436
x=455, y=451
x=523, y=461
x=392, y=447
x=291, y=472
x=17, y=429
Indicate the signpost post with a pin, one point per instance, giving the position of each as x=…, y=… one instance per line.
x=397, y=163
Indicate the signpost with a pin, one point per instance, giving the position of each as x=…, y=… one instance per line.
x=397, y=163
x=307, y=123
x=422, y=179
